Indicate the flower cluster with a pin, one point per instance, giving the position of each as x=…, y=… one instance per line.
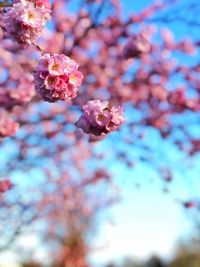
x=20, y=94
x=57, y=78
x=5, y=185
x=136, y=46
x=25, y=21
x=100, y=117
x=7, y=126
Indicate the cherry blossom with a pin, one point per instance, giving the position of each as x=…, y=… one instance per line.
x=57, y=78
x=136, y=46
x=25, y=21
x=100, y=117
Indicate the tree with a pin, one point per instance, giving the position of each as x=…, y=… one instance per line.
x=62, y=92
x=155, y=262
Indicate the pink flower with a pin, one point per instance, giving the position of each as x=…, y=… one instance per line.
x=21, y=94
x=43, y=63
x=75, y=78
x=136, y=46
x=25, y=21
x=25, y=91
x=57, y=78
x=70, y=64
x=60, y=84
x=100, y=117
x=42, y=3
x=31, y=17
x=56, y=65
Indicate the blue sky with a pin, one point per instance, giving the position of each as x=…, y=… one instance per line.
x=146, y=221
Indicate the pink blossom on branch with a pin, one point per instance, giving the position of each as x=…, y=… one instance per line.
x=25, y=21
x=57, y=78
x=136, y=46
x=100, y=117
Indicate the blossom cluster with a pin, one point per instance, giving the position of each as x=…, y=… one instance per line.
x=100, y=117
x=20, y=94
x=136, y=46
x=26, y=19
x=57, y=78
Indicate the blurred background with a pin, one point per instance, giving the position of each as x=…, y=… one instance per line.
x=132, y=198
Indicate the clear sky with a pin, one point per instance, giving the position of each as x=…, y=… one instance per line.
x=146, y=221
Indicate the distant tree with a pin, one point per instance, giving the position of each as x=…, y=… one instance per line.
x=187, y=255
x=154, y=261
x=66, y=88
